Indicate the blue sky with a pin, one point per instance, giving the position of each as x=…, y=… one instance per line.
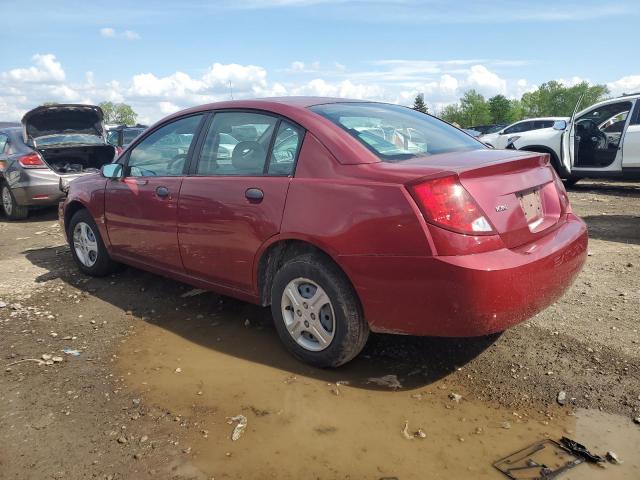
x=162, y=56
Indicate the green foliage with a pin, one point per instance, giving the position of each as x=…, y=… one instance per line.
x=452, y=114
x=551, y=99
x=419, y=105
x=500, y=109
x=118, y=113
x=475, y=110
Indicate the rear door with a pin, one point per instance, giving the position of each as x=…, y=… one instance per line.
x=631, y=141
x=141, y=208
x=234, y=199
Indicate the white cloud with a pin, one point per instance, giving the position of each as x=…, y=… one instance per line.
x=131, y=35
x=154, y=96
x=109, y=32
x=45, y=69
x=485, y=81
x=627, y=84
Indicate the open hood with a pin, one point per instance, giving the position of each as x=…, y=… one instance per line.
x=63, y=119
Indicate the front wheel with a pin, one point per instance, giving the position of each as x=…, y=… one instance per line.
x=87, y=247
x=11, y=209
x=317, y=313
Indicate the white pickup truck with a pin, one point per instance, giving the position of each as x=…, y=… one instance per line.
x=601, y=141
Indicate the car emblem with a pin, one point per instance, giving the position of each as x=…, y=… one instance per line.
x=501, y=208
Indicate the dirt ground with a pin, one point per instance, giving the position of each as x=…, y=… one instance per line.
x=157, y=375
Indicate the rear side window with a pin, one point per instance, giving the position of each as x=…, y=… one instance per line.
x=520, y=127
x=396, y=133
x=237, y=143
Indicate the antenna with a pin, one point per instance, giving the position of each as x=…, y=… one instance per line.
x=230, y=90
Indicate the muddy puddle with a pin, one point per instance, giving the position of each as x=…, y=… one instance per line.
x=316, y=424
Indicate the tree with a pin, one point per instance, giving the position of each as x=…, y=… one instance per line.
x=118, y=113
x=452, y=114
x=553, y=99
x=419, y=105
x=515, y=111
x=475, y=110
x=500, y=108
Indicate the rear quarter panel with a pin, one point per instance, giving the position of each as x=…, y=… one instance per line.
x=333, y=207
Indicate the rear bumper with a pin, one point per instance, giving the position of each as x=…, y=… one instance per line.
x=37, y=187
x=468, y=295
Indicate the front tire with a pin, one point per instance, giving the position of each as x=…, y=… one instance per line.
x=317, y=313
x=10, y=207
x=87, y=247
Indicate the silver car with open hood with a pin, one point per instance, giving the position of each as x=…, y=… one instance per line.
x=56, y=144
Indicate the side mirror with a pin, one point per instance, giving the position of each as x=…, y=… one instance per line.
x=559, y=125
x=111, y=170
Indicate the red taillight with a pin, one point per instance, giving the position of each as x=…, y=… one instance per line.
x=562, y=193
x=31, y=160
x=446, y=203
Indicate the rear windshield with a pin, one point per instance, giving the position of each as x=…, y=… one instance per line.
x=396, y=133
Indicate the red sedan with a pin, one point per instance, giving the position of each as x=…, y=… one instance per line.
x=345, y=216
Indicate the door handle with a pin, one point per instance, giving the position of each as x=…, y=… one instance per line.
x=254, y=194
x=162, y=192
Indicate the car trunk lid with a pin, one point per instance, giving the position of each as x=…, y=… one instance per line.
x=516, y=190
x=63, y=119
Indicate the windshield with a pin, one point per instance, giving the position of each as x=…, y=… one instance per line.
x=396, y=133
x=69, y=140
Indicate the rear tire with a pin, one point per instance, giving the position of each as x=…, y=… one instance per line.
x=570, y=182
x=87, y=247
x=10, y=207
x=325, y=307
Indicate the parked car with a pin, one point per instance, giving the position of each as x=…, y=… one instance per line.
x=336, y=228
x=601, y=141
x=473, y=133
x=56, y=141
x=500, y=139
x=490, y=128
x=120, y=136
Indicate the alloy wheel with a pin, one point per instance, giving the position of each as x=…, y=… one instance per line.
x=308, y=314
x=85, y=244
x=7, y=201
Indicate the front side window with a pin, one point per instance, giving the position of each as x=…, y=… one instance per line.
x=538, y=124
x=237, y=143
x=285, y=149
x=3, y=142
x=164, y=152
x=396, y=133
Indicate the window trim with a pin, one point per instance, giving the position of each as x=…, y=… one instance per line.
x=635, y=118
x=185, y=167
x=195, y=159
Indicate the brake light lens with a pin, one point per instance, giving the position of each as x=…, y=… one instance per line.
x=562, y=193
x=31, y=160
x=446, y=203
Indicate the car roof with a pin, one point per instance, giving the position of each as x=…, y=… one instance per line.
x=268, y=103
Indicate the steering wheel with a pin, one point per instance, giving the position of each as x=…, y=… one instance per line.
x=248, y=155
x=176, y=164
x=593, y=134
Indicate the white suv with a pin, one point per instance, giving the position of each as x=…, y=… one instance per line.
x=500, y=139
x=600, y=141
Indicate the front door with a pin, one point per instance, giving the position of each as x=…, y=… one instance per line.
x=234, y=199
x=141, y=208
x=631, y=141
